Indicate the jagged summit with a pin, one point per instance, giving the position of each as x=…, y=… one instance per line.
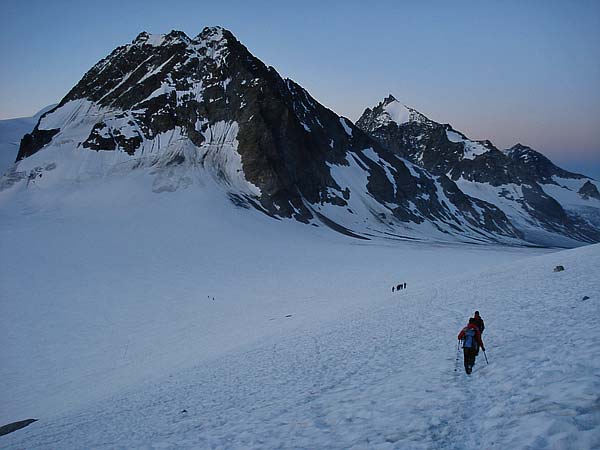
x=520, y=180
x=389, y=112
x=205, y=110
x=589, y=190
x=524, y=153
x=214, y=33
x=211, y=34
x=537, y=164
x=155, y=40
x=519, y=146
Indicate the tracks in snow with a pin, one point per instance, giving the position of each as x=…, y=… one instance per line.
x=378, y=378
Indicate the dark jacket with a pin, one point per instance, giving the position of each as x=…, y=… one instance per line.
x=479, y=323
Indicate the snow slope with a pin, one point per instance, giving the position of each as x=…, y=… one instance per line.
x=111, y=332
x=471, y=148
x=509, y=198
x=566, y=192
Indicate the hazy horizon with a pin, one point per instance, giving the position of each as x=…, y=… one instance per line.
x=509, y=72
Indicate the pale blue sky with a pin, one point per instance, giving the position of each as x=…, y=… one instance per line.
x=509, y=71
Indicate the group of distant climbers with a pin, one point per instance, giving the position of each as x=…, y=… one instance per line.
x=399, y=287
x=471, y=340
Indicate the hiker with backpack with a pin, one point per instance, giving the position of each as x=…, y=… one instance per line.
x=471, y=339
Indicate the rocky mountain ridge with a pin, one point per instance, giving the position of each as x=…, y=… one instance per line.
x=184, y=109
x=526, y=185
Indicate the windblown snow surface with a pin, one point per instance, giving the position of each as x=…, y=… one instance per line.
x=131, y=319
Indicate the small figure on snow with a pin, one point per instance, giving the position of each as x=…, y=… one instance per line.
x=399, y=287
x=471, y=338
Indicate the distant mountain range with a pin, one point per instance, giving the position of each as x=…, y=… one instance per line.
x=537, y=196
x=180, y=108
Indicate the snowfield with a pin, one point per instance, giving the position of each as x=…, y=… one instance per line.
x=131, y=319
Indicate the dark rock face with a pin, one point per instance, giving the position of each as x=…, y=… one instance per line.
x=214, y=93
x=31, y=143
x=589, y=190
x=11, y=427
x=427, y=143
x=542, y=205
x=405, y=139
x=444, y=151
x=539, y=168
x=106, y=138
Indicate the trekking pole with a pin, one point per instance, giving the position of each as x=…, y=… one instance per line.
x=457, y=353
x=486, y=360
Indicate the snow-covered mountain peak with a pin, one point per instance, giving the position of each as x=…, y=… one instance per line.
x=212, y=34
x=204, y=110
x=390, y=112
x=208, y=37
x=389, y=99
x=213, y=42
x=157, y=40
x=398, y=113
x=194, y=111
x=521, y=181
x=538, y=163
x=394, y=111
x=522, y=152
